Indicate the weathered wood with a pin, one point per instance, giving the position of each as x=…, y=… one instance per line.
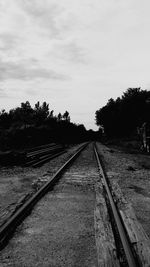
x=105, y=243
x=136, y=233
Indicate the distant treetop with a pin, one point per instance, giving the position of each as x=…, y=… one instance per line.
x=122, y=116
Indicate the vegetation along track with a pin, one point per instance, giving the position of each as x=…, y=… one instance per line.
x=125, y=251
x=9, y=227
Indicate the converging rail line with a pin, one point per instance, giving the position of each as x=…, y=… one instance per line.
x=42, y=154
x=9, y=227
x=76, y=184
x=130, y=256
x=32, y=149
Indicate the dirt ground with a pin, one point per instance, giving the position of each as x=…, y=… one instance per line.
x=74, y=199
x=131, y=170
x=19, y=183
x=60, y=230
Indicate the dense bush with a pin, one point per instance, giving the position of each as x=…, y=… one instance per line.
x=122, y=116
x=25, y=126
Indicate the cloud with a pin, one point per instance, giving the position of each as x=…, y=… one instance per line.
x=20, y=71
x=102, y=45
x=50, y=18
x=44, y=14
x=2, y=93
x=8, y=41
x=70, y=52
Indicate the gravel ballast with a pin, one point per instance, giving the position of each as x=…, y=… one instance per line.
x=70, y=226
x=132, y=173
x=60, y=230
x=19, y=183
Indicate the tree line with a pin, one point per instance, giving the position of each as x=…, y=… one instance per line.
x=25, y=126
x=121, y=117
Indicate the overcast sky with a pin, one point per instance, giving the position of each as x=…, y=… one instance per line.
x=73, y=54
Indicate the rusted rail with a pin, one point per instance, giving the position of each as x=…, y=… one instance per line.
x=32, y=149
x=131, y=259
x=42, y=151
x=9, y=227
x=41, y=155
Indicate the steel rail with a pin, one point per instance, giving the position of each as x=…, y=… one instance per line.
x=132, y=262
x=43, y=159
x=40, y=147
x=42, y=151
x=47, y=158
x=40, y=159
x=9, y=227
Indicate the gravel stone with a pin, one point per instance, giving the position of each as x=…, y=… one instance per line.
x=132, y=173
x=17, y=183
x=60, y=230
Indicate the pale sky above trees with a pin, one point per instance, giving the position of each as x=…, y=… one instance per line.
x=74, y=55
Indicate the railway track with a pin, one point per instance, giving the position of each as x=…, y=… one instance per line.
x=28, y=150
x=126, y=254
x=40, y=155
x=9, y=227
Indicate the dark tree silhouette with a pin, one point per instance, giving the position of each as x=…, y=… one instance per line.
x=25, y=126
x=59, y=116
x=51, y=115
x=122, y=116
x=41, y=112
x=66, y=116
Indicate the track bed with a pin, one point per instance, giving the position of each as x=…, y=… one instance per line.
x=60, y=230
x=77, y=223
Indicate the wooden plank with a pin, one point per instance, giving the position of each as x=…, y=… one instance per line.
x=106, y=249
x=136, y=233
